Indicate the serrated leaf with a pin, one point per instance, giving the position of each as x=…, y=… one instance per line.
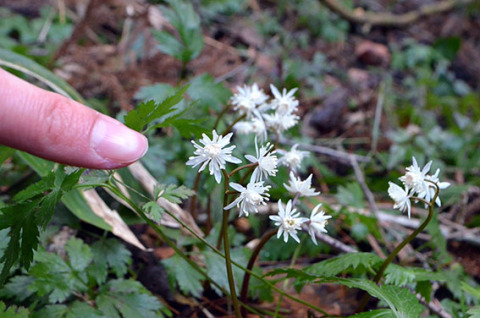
x=377, y=313
x=79, y=254
x=112, y=253
x=351, y=195
x=342, y=263
x=474, y=312
x=154, y=211
x=17, y=288
x=18, y=218
x=172, y=192
x=187, y=23
x=207, y=93
x=47, y=206
x=182, y=273
x=403, y=303
x=37, y=188
x=147, y=112
x=13, y=311
x=217, y=270
x=127, y=298
x=424, y=288
x=76, y=310
x=401, y=276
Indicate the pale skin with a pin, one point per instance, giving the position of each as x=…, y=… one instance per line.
x=53, y=127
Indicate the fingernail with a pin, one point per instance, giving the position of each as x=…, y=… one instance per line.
x=116, y=142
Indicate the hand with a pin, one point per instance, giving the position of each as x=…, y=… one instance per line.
x=59, y=129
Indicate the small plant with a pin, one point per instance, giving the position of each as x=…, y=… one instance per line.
x=87, y=281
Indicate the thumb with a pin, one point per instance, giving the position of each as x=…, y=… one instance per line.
x=56, y=128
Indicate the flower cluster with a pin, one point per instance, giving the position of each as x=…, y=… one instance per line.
x=418, y=185
x=263, y=115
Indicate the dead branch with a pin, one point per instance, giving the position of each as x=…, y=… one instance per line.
x=389, y=19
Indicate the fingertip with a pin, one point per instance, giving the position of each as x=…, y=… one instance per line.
x=116, y=144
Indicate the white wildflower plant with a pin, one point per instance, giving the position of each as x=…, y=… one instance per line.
x=418, y=186
x=259, y=115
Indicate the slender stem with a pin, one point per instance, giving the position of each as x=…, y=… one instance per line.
x=193, y=200
x=251, y=262
x=295, y=255
x=219, y=117
x=226, y=247
x=233, y=124
x=248, y=165
x=225, y=202
x=397, y=250
x=244, y=177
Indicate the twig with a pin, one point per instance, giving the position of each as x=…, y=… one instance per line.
x=434, y=306
x=341, y=156
x=389, y=19
x=361, y=181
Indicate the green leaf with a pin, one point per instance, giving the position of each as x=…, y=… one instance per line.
x=154, y=211
x=13, y=311
x=37, y=188
x=23, y=235
x=217, y=270
x=448, y=47
x=17, y=288
x=348, y=262
x=172, y=193
x=5, y=153
x=403, y=303
x=474, y=312
x=378, y=313
x=147, y=112
x=424, y=288
x=112, y=253
x=187, y=23
x=76, y=310
x=129, y=299
x=157, y=92
x=188, y=279
x=207, y=93
x=79, y=254
x=351, y=195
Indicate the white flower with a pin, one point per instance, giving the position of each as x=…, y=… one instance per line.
x=243, y=128
x=256, y=126
x=250, y=198
x=288, y=221
x=293, y=158
x=247, y=98
x=431, y=188
x=401, y=197
x=304, y=188
x=280, y=122
x=267, y=162
x=213, y=154
x=259, y=128
x=415, y=178
x=284, y=103
x=318, y=221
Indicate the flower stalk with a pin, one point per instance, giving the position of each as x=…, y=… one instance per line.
x=406, y=241
x=251, y=262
